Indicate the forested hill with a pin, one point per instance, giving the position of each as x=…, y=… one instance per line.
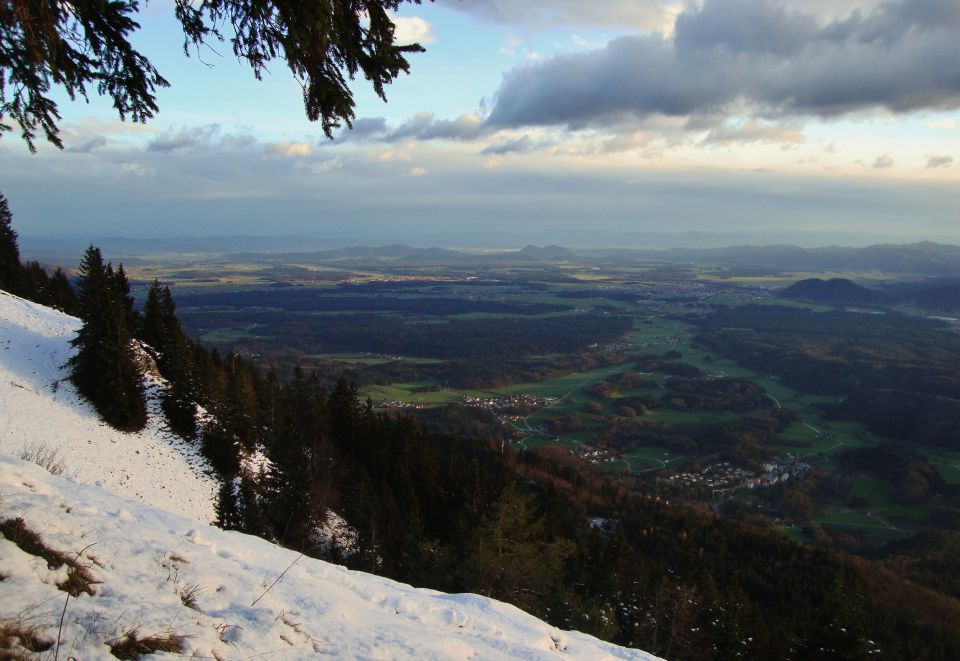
x=836, y=291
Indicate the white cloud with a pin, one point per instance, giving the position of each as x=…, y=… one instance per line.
x=883, y=162
x=417, y=172
x=326, y=166
x=755, y=131
x=194, y=137
x=412, y=30
x=947, y=124
x=135, y=169
x=402, y=152
x=286, y=148
x=625, y=142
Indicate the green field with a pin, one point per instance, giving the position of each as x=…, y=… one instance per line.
x=356, y=358
x=407, y=392
x=228, y=335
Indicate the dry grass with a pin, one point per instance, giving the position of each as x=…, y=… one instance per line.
x=44, y=456
x=18, y=638
x=131, y=646
x=189, y=594
x=79, y=579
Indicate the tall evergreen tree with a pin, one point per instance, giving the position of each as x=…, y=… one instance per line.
x=104, y=368
x=60, y=293
x=11, y=270
x=161, y=329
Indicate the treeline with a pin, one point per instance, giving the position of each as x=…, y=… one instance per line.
x=30, y=280
x=463, y=374
x=301, y=299
x=447, y=339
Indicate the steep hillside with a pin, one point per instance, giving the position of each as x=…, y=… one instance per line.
x=144, y=577
x=40, y=412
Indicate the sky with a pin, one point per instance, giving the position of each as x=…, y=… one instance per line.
x=809, y=121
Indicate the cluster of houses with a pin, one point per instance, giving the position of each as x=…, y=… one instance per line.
x=508, y=402
x=395, y=404
x=595, y=455
x=724, y=477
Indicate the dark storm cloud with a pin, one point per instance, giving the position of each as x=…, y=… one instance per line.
x=902, y=56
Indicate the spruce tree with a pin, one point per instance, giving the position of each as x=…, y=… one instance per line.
x=227, y=507
x=11, y=270
x=161, y=329
x=60, y=293
x=104, y=368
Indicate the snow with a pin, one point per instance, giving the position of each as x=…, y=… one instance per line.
x=133, y=509
x=144, y=558
x=39, y=408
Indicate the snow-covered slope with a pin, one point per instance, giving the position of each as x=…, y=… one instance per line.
x=40, y=408
x=144, y=560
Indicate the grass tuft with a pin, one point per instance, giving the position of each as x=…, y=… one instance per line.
x=131, y=646
x=79, y=579
x=44, y=456
x=189, y=594
x=17, y=638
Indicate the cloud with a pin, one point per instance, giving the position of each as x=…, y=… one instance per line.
x=286, y=148
x=196, y=138
x=545, y=14
x=365, y=127
x=946, y=124
x=412, y=30
x=328, y=165
x=417, y=172
x=939, y=162
x=753, y=57
x=423, y=126
x=625, y=142
x=517, y=145
x=649, y=15
x=754, y=131
x=883, y=162
x=135, y=169
x=184, y=138
x=87, y=145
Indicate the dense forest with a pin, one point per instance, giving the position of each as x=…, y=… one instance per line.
x=454, y=511
x=896, y=374
x=482, y=338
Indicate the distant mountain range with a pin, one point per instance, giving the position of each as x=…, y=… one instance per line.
x=406, y=253
x=925, y=258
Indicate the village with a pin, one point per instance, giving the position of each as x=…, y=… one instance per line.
x=722, y=478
